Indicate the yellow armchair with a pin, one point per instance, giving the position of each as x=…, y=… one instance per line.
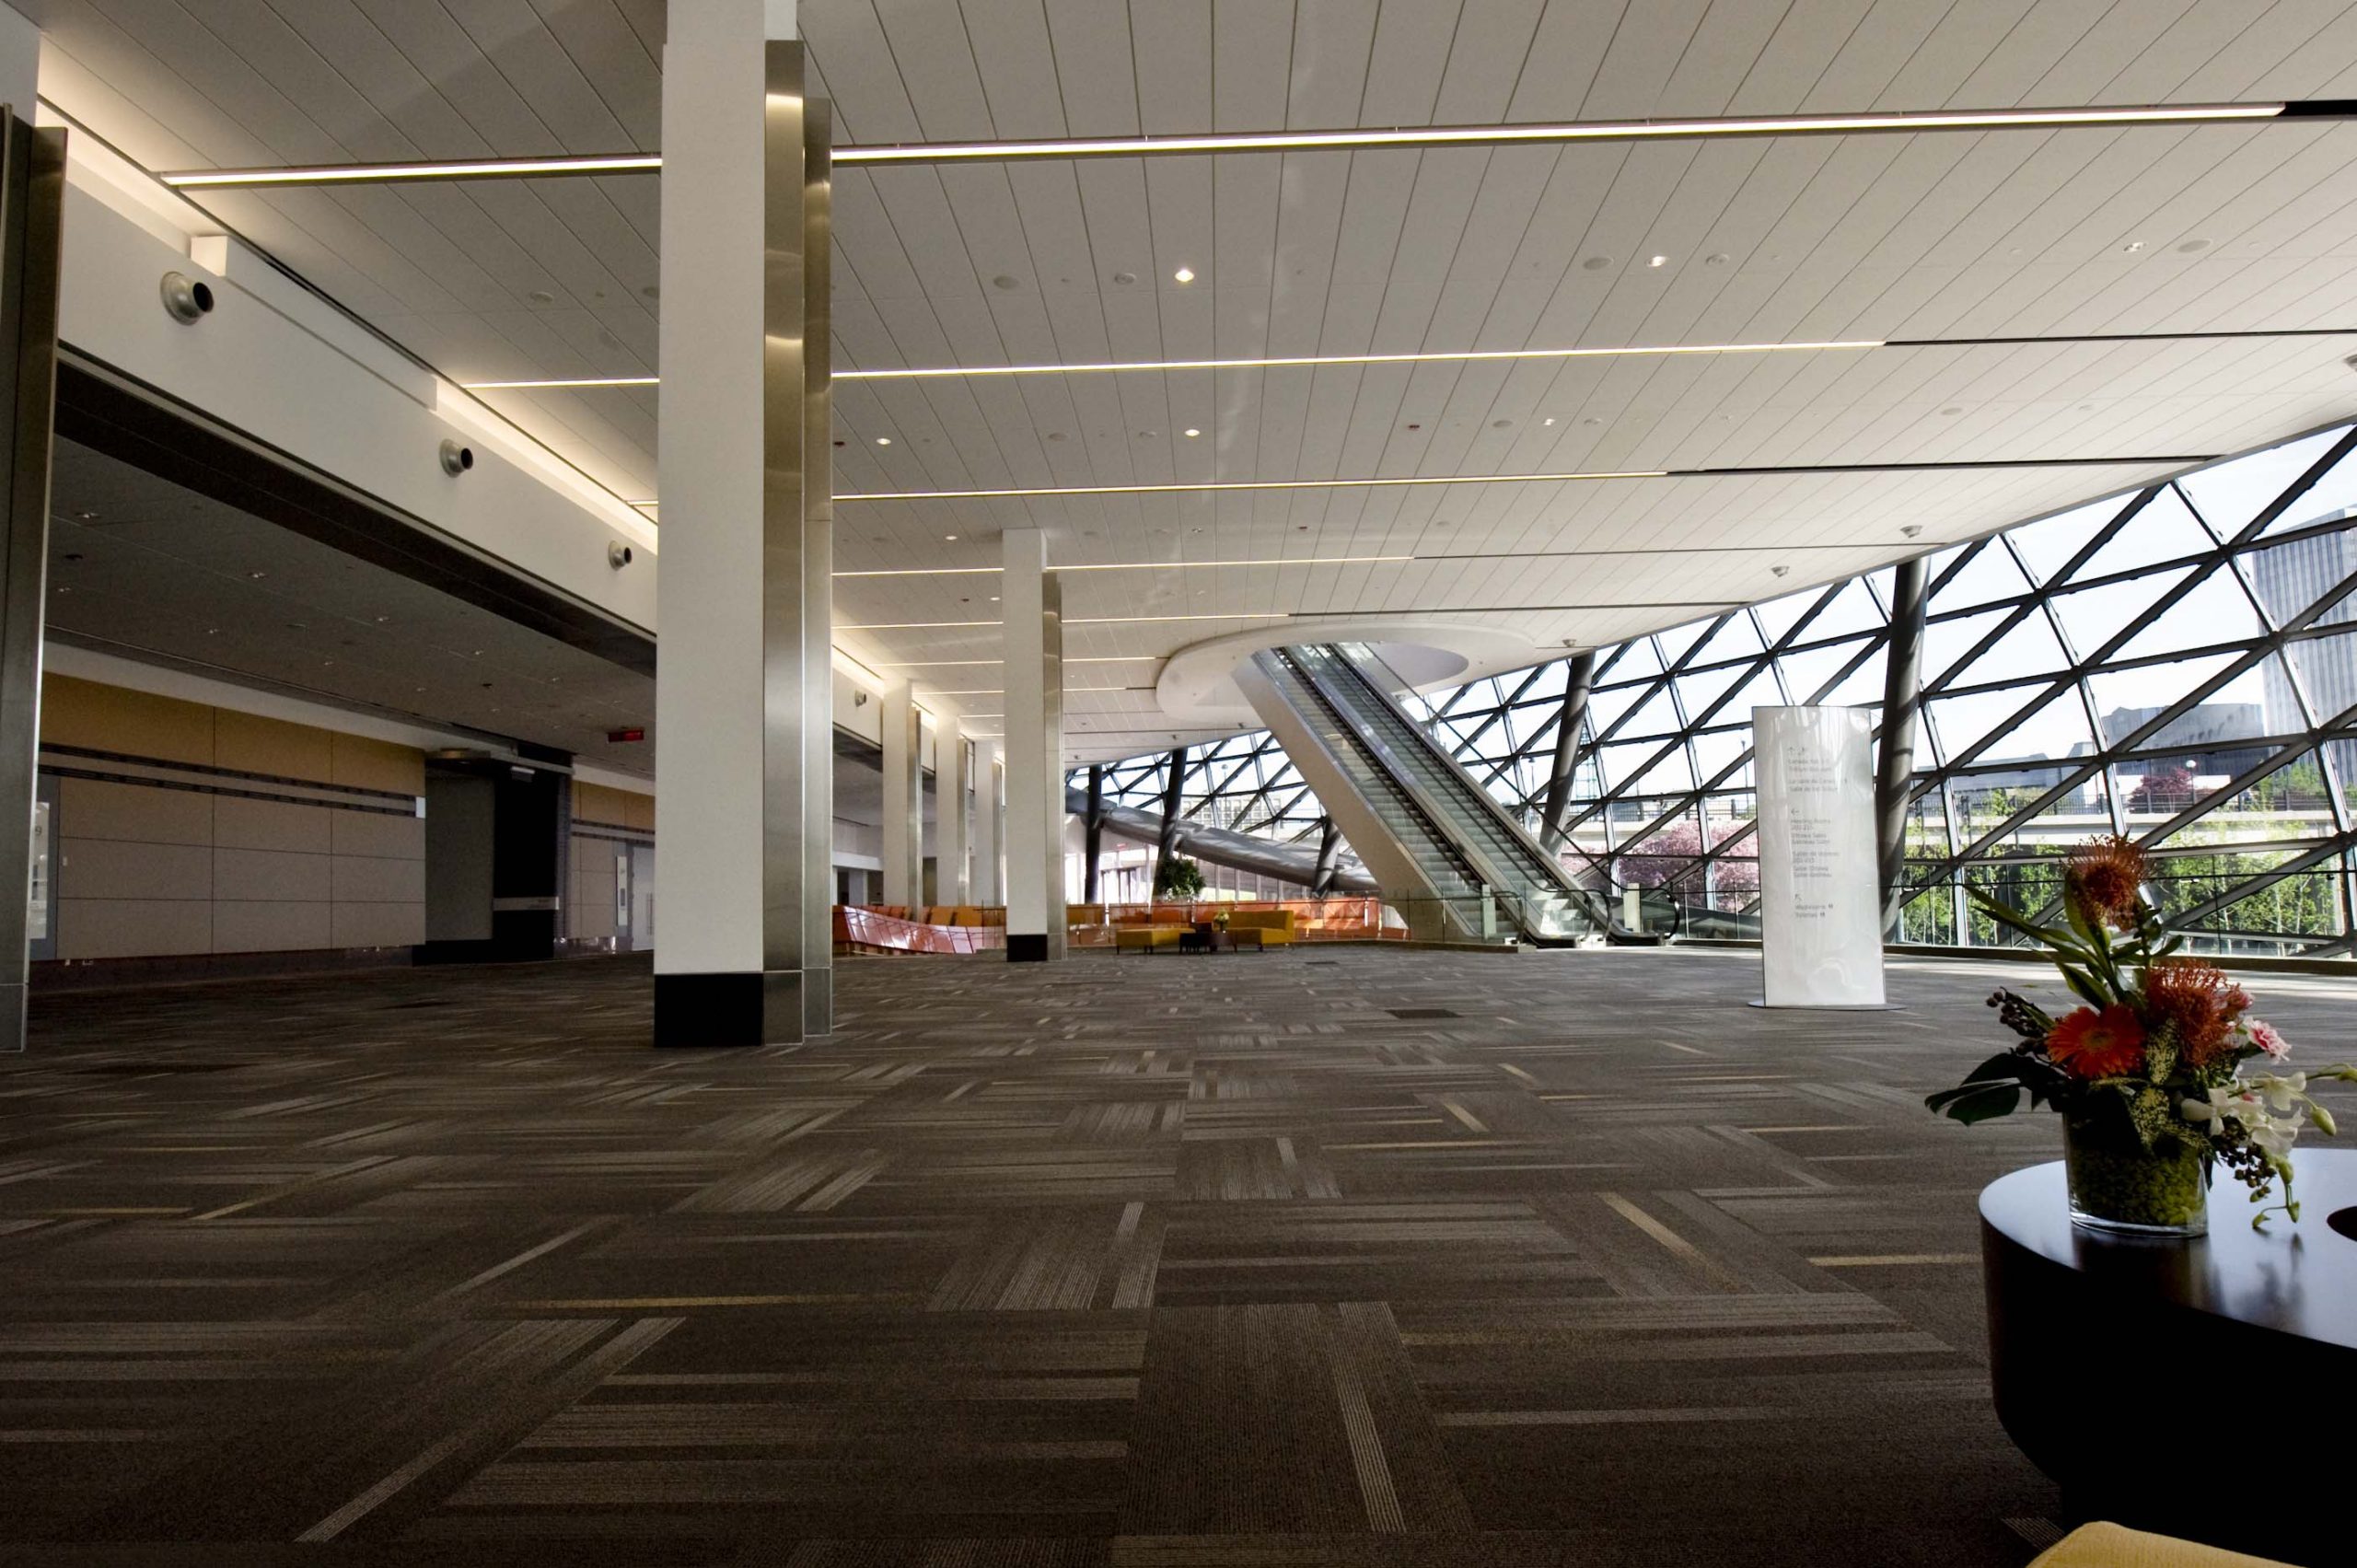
x=2113, y=1546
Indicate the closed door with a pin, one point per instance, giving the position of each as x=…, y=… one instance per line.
x=641, y=938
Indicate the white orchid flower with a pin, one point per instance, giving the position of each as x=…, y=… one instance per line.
x=2280, y=1093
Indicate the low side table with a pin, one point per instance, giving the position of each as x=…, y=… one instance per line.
x=2099, y=1346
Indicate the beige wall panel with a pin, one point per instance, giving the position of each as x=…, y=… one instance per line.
x=257, y=745
x=638, y=811
x=119, y=868
x=596, y=803
x=270, y=876
x=379, y=925
x=91, y=809
x=271, y=824
x=377, y=764
x=365, y=880
x=593, y=900
x=107, y=718
x=372, y=834
x=131, y=928
x=271, y=927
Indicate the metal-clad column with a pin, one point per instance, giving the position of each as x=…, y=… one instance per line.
x=817, y=568
x=990, y=825
x=1094, y=853
x=949, y=879
x=1895, y=771
x=1166, y=844
x=1330, y=849
x=1579, y=680
x=1033, y=650
x=32, y=192
x=744, y=678
x=902, y=818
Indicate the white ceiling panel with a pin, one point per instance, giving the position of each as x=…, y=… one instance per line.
x=2005, y=234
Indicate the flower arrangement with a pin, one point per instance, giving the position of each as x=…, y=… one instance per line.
x=2160, y=1074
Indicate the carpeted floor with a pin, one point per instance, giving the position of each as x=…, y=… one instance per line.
x=1347, y=1257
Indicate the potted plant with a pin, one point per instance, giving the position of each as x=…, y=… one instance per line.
x=2160, y=1073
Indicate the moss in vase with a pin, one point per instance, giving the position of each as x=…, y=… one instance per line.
x=2115, y=1177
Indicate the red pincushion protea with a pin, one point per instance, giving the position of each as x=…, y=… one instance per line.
x=2089, y=1044
x=2200, y=1000
x=2103, y=876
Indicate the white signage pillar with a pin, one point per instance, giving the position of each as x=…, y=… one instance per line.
x=1820, y=905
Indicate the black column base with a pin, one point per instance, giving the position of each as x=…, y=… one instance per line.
x=1031, y=950
x=731, y=1008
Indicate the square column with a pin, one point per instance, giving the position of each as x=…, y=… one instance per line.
x=949, y=879
x=903, y=823
x=32, y=192
x=1033, y=649
x=744, y=692
x=989, y=816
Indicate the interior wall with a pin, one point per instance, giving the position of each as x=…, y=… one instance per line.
x=185, y=829
x=607, y=824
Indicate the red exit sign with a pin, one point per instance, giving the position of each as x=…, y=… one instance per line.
x=618, y=736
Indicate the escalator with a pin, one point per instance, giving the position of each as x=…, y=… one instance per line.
x=1434, y=838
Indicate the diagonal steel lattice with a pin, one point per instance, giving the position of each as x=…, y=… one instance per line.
x=2178, y=665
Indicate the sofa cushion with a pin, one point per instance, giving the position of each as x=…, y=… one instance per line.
x=2114, y=1546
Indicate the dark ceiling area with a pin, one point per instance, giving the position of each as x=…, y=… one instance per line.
x=152, y=570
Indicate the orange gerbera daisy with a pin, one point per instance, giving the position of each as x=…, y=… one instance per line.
x=2103, y=876
x=2200, y=1000
x=2097, y=1045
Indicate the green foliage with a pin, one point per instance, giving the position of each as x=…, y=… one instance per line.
x=1176, y=877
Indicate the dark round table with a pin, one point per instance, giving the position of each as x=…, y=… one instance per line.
x=2173, y=1385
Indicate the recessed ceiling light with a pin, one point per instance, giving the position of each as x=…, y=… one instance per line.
x=1005, y=281
x=2191, y=246
x=883, y=440
x=1779, y=571
x=1125, y=279
x=1595, y=263
x=87, y=516
x=1185, y=275
x=1548, y=420
x=949, y=536
x=1193, y=432
x=1910, y=530
x=2132, y=247
x=1656, y=261
x=256, y=576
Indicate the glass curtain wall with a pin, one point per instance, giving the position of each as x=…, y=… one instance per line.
x=2178, y=665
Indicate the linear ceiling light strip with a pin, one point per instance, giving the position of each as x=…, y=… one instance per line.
x=1246, y=484
x=1872, y=122
x=1733, y=470
x=1440, y=357
x=1135, y=566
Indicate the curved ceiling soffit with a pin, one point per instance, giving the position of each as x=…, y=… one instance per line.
x=1197, y=682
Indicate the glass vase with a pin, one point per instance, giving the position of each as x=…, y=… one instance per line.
x=2118, y=1184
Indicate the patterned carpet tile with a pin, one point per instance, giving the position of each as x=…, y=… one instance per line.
x=1359, y=1258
